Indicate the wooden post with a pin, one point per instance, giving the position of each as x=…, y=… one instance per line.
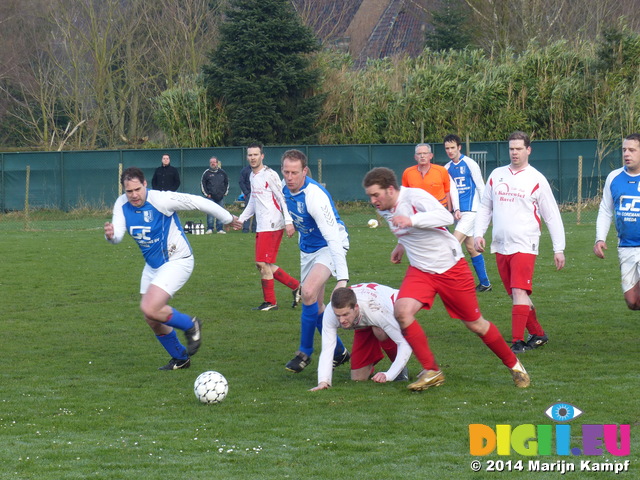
x=320, y=172
x=579, y=210
x=26, y=197
x=119, y=176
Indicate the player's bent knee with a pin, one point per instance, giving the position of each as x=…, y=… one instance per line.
x=633, y=305
x=479, y=326
x=151, y=313
x=361, y=374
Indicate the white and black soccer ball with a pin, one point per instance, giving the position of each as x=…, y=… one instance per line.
x=211, y=387
x=373, y=223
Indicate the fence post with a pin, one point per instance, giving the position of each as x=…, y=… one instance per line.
x=26, y=197
x=579, y=210
x=320, y=172
x=119, y=176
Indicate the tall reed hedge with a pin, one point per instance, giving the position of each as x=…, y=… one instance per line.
x=554, y=92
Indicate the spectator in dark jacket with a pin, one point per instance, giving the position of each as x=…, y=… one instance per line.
x=166, y=177
x=245, y=187
x=215, y=186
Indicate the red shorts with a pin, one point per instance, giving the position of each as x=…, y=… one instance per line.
x=267, y=245
x=366, y=349
x=516, y=271
x=456, y=288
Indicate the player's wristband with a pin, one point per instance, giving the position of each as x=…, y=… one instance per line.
x=344, y=280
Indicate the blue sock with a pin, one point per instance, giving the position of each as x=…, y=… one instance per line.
x=339, y=345
x=319, y=322
x=181, y=321
x=308, y=320
x=173, y=346
x=481, y=270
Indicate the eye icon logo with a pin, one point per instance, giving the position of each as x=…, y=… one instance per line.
x=562, y=412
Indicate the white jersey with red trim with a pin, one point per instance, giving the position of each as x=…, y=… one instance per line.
x=267, y=202
x=429, y=246
x=376, y=310
x=517, y=202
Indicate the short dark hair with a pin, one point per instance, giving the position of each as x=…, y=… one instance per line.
x=519, y=135
x=131, y=173
x=343, y=297
x=295, y=155
x=381, y=176
x=256, y=145
x=634, y=136
x=452, y=137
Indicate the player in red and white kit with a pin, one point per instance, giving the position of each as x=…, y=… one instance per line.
x=436, y=266
x=516, y=198
x=268, y=205
x=366, y=308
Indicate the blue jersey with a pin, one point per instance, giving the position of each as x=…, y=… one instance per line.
x=469, y=183
x=155, y=225
x=620, y=201
x=318, y=223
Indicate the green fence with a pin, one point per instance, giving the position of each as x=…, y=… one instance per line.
x=69, y=180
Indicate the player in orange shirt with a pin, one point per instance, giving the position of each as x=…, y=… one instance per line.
x=432, y=178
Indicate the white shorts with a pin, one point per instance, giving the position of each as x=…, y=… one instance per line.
x=308, y=260
x=170, y=277
x=629, y=266
x=465, y=224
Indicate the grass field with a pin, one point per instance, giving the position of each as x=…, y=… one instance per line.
x=81, y=396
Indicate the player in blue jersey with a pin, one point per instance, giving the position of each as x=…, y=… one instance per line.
x=621, y=202
x=150, y=217
x=466, y=174
x=323, y=242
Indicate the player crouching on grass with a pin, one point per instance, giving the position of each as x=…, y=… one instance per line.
x=436, y=266
x=150, y=218
x=368, y=309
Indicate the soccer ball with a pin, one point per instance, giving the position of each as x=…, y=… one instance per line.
x=210, y=387
x=373, y=223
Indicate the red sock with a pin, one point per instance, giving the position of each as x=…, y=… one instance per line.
x=390, y=348
x=519, y=316
x=286, y=279
x=268, y=291
x=494, y=340
x=415, y=336
x=533, y=325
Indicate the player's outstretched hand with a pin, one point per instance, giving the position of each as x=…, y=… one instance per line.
x=379, y=377
x=235, y=223
x=108, y=230
x=321, y=386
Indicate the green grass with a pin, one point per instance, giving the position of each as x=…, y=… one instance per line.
x=80, y=396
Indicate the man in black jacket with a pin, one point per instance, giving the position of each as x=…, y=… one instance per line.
x=214, y=185
x=166, y=177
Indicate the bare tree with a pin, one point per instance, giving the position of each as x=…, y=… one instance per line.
x=513, y=24
x=182, y=33
x=328, y=19
x=92, y=66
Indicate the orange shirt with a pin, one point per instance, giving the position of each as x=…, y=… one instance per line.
x=435, y=181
